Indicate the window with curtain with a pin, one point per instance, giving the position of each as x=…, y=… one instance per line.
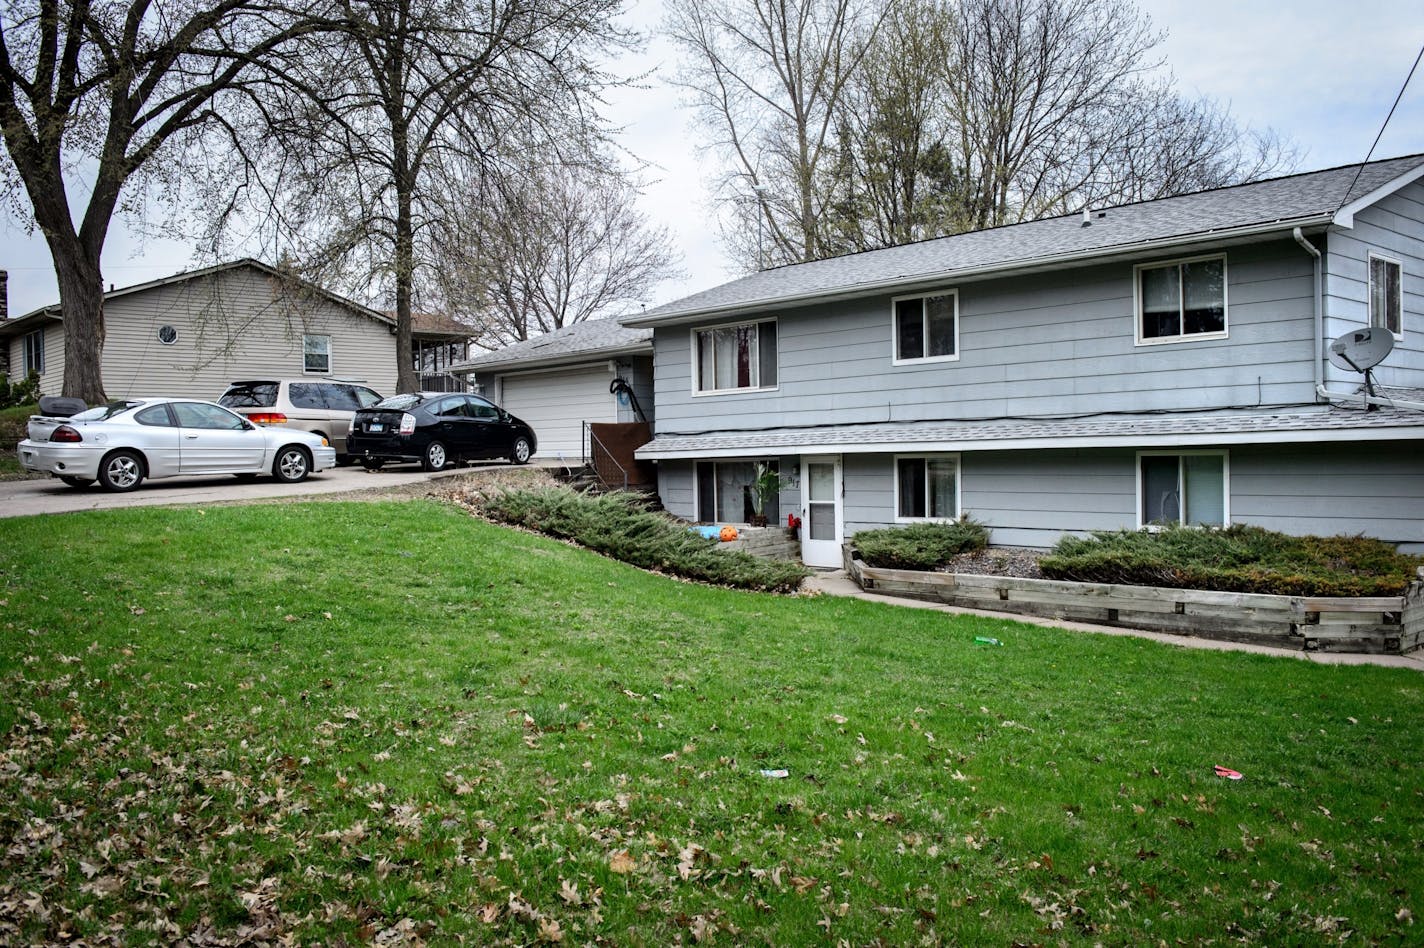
x=316, y=353
x=1187, y=489
x=1181, y=300
x=926, y=488
x=1386, y=299
x=736, y=357
x=925, y=327
x=724, y=492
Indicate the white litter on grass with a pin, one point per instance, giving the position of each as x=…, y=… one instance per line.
x=776, y=774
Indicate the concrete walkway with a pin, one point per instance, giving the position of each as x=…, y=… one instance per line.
x=837, y=583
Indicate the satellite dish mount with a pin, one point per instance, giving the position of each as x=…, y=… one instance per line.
x=1360, y=351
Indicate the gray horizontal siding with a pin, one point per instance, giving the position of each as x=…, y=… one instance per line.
x=677, y=488
x=1394, y=228
x=1045, y=344
x=1332, y=489
x=1032, y=498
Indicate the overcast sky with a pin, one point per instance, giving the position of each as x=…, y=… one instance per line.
x=1323, y=75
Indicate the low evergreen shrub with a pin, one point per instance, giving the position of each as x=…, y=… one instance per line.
x=1238, y=558
x=922, y=546
x=614, y=524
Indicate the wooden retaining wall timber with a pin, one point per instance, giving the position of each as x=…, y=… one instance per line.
x=1389, y=625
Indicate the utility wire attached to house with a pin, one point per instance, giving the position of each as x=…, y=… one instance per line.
x=1346, y=196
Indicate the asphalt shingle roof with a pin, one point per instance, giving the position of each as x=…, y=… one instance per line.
x=1156, y=429
x=1295, y=198
x=602, y=336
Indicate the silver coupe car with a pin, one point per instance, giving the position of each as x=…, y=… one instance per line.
x=122, y=443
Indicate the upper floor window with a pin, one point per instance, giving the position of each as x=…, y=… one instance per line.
x=34, y=352
x=736, y=357
x=1182, y=487
x=927, y=327
x=1386, y=294
x=1182, y=300
x=316, y=353
x=927, y=488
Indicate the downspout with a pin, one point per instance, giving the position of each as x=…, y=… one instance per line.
x=1321, y=392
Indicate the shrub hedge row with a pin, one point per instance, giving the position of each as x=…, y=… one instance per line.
x=922, y=546
x=1235, y=559
x=614, y=524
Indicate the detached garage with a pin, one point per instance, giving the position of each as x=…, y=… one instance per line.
x=559, y=381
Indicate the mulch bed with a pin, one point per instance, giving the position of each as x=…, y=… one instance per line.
x=1012, y=561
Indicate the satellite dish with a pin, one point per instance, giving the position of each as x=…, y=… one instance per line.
x=1362, y=349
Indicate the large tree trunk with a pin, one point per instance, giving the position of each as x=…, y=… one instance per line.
x=81, y=304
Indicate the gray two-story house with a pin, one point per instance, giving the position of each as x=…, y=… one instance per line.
x=1166, y=361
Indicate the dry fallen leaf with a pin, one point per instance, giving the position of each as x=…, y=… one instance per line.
x=620, y=862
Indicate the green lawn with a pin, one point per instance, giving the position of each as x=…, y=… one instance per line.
x=392, y=722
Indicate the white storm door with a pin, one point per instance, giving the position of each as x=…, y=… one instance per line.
x=821, y=524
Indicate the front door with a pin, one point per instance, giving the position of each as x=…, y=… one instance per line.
x=821, y=526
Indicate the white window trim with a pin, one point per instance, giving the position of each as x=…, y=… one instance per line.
x=928, y=456
x=1181, y=337
x=1225, y=456
x=895, y=328
x=1398, y=292
x=330, y=362
x=39, y=336
x=696, y=358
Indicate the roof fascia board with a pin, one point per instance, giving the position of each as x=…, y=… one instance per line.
x=35, y=315
x=1345, y=217
x=968, y=274
x=1184, y=440
x=553, y=361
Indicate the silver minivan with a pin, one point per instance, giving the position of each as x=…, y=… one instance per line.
x=321, y=406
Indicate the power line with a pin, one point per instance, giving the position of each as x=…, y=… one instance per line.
x=1371, y=152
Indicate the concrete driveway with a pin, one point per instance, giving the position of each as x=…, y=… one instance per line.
x=48, y=495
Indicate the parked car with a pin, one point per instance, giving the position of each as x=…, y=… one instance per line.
x=438, y=429
x=124, y=442
x=321, y=406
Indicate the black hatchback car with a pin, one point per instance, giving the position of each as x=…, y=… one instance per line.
x=437, y=429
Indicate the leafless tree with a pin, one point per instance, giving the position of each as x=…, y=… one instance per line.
x=556, y=245
x=103, y=98
x=765, y=78
x=371, y=129
x=1062, y=103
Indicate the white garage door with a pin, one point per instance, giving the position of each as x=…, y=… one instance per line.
x=556, y=404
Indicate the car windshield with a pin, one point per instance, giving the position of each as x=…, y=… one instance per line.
x=400, y=402
x=104, y=412
x=249, y=395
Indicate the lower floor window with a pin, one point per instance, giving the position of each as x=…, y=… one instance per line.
x=927, y=488
x=724, y=493
x=1185, y=489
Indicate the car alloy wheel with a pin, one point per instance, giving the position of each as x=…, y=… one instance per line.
x=291, y=465
x=121, y=471
x=521, y=451
x=435, y=457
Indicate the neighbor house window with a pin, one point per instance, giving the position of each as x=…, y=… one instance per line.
x=1183, y=488
x=34, y=352
x=1181, y=300
x=927, y=327
x=926, y=488
x=316, y=353
x=1386, y=298
x=730, y=358
x=724, y=492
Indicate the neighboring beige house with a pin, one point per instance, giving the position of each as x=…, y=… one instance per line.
x=193, y=333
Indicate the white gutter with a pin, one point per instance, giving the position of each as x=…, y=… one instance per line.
x=1319, y=321
x=909, y=283
x=1321, y=392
